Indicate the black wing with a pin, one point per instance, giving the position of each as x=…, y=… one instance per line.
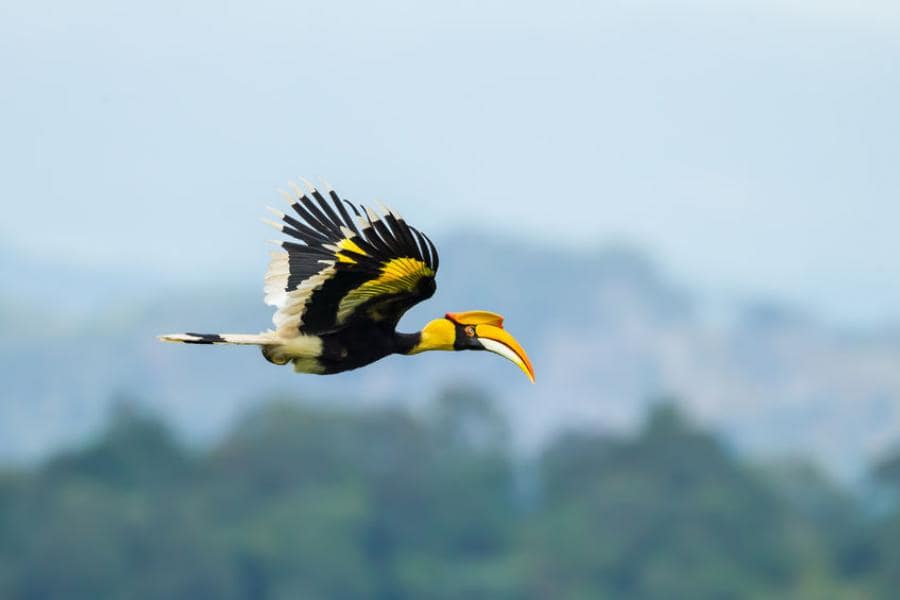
x=344, y=268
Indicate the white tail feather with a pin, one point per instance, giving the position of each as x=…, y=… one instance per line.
x=221, y=338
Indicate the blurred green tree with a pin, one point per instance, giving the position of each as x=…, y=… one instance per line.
x=305, y=501
x=668, y=514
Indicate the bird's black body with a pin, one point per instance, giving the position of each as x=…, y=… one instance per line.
x=361, y=344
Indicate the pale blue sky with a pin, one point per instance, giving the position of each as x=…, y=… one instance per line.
x=752, y=146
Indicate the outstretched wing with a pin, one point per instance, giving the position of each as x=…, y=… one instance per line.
x=338, y=271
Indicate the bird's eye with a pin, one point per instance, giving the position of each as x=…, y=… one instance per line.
x=470, y=331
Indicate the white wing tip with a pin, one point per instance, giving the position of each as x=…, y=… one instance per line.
x=310, y=188
x=388, y=210
x=291, y=200
x=298, y=191
x=396, y=213
x=277, y=226
x=373, y=216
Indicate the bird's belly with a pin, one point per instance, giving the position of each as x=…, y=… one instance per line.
x=330, y=353
x=309, y=365
x=343, y=353
x=301, y=351
x=346, y=363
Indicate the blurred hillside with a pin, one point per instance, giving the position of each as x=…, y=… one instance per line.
x=608, y=333
x=304, y=502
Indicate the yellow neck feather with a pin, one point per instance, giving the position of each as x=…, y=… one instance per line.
x=439, y=334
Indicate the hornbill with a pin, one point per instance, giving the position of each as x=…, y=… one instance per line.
x=341, y=285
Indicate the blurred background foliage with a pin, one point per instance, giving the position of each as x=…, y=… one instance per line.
x=305, y=500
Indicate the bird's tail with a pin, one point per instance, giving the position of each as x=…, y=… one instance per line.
x=258, y=339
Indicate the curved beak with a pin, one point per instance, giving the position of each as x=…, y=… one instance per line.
x=498, y=341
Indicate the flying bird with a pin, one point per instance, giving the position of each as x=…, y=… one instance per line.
x=341, y=284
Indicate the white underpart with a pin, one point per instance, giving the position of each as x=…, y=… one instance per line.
x=307, y=365
x=501, y=349
x=301, y=346
x=302, y=350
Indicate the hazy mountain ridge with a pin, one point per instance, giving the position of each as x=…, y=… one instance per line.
x=608, y=327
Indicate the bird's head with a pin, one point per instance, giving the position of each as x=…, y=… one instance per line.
x=474, y=330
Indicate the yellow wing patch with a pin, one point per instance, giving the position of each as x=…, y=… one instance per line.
x=398, y=276
x=348, y=244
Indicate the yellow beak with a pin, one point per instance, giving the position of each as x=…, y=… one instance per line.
x=498, y=341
